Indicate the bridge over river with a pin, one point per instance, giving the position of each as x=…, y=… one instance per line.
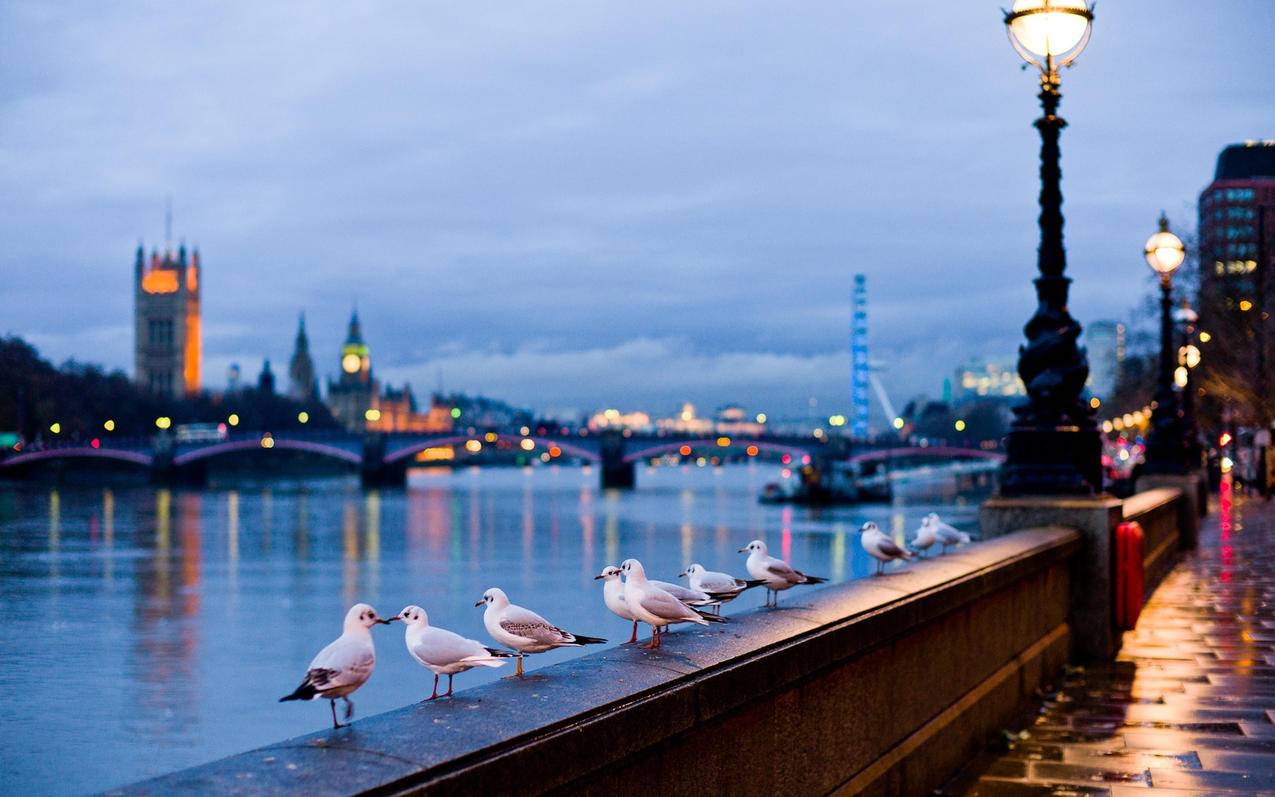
x=384, y=458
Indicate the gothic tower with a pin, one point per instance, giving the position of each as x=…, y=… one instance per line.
x=352, y=397
x=302, y=384
x=166, y=324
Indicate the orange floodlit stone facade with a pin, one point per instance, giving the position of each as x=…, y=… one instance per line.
x=167, y=336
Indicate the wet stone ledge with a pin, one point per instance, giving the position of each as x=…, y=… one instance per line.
x=877, y=685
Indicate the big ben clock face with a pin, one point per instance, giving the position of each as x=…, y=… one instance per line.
x=350, y=363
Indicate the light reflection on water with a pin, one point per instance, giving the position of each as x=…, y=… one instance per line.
x=148, y=629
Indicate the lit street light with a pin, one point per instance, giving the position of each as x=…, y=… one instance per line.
x=1053, y=446
x=1167, y=444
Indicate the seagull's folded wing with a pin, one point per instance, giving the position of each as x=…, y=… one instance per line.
x=780, y=569
x=529, y=625
x=665, y=606
x=442, y=647
x=343, y=663
x=888, y=547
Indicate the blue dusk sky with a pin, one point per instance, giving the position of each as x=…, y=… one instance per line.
x=585, y=204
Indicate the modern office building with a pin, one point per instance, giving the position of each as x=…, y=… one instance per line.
x=166, y=323
x=1105, y=341
x=1237, y=268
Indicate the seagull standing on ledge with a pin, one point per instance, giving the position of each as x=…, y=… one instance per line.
x=613, y=597
x=777, y=573
x=655, y=606
x=442, y=651
x=344, y=665
x=881, y=547
x=946, y=534
x=524, y=630
x=722, y=586
x=925, y=537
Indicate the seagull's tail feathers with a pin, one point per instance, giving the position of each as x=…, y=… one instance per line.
x=305, y=691
x=814, y=579
x=581, y=639
x=719, y=597
x=755, y=582
x=488, y=661
x=712, y=618
x=500, y=654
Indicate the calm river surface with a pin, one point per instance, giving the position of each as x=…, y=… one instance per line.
x=144, y=630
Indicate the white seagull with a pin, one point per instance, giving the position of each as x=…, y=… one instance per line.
x=946, y=534
x=442, y=651
x=925, y=537
x=722, y=586
x=881, y=547
x=655, y=606
x=524, y=630
x=777, y=574
x=613, y=596
x=344, y=665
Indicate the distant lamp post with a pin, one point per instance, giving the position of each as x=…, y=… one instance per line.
x=1167, y=444
x=1188, y=358
x=1053, y=446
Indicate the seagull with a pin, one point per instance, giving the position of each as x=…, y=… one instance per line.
x=777, y=574
x=613, y=596
x=946, y=534
x=881, y=547
x=344, y=665
x=722, y=586
x=443, y=651
x=925, y=536
x=655, y=606
x=524, y=630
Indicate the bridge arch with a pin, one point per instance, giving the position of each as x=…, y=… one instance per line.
x=78, y=452
x=669, y=447
x=280, y=444
x=410, y=450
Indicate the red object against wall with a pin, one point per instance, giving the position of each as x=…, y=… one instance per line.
x=1130, y=579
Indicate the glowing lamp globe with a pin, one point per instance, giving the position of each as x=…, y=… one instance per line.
x=1164, y=251
x=1049, y=33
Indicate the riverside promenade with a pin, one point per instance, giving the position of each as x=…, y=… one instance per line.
x=1187, y=708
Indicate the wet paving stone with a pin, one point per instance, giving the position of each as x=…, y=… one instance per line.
x=1188, y=707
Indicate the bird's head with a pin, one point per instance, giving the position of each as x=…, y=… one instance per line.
x=693, y=570
x=609, y=573
x=632, y=568
x=361, y=615
x=412, y=615
x=756, y=546
x=868, y=528
x=494, y=597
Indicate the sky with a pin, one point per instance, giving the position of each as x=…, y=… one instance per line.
x=575, y=205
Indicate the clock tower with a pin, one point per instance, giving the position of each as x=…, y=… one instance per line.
x=353, y=395
x=356, y=366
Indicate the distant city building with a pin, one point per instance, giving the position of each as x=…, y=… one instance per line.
x=302, y=383
x=1105, y=341
x=685, y=422
x=166, y=324
x=636, y=421
x=988, y=380
x=358, y=403
x=265, y=380
x=1237, y=257
x=482, y=412
x=732, y=419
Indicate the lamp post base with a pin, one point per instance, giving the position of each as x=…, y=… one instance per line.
x=1063, y=460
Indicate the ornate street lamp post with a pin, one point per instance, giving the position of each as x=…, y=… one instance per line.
x=1166, y=446
x=1053, y=446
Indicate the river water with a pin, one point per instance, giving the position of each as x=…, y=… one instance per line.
x=143, y=629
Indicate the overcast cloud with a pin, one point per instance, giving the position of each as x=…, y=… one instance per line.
x=586, y=204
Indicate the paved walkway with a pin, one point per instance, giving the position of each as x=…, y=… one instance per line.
x=1188, y=707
